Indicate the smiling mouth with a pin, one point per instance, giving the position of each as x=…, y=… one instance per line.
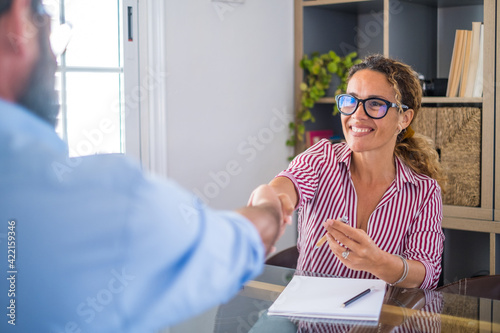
x=361, y=130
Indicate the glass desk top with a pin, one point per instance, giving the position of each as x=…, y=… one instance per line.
x=404, y=310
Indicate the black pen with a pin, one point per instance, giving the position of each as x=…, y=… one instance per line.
x=355, y=298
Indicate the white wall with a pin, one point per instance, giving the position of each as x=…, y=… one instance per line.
x=229, y=96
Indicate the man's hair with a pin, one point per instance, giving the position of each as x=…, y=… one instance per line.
x=5, y=5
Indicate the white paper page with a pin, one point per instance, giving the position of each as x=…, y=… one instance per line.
x=322, y=297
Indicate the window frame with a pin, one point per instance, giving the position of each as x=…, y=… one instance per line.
x=143, y=73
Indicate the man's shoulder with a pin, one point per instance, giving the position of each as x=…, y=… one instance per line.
x=103, y=170
x=19, y=128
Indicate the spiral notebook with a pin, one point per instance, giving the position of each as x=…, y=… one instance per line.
x=322, y=297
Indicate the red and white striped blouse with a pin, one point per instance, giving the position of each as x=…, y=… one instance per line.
x=406, y=221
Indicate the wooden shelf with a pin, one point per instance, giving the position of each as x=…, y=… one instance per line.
x=430, y=3
x=326, y=100
x=451, y=100
x=471, y=225
x=327, y=2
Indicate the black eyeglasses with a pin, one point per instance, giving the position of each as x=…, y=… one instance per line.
x=375, y=108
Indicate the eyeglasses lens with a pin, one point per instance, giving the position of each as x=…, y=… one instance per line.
x=60, y=33
x=347, y=104
x=376, y=108
x=60, y=37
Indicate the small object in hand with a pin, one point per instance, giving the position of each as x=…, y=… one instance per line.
x=323, y=239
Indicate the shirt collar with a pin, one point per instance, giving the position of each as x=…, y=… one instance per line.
x=343, y=154
x=403, y=173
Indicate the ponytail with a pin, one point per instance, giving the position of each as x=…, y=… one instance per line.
x=418, y=153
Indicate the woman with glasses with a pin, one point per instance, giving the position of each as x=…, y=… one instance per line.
x=376, y=197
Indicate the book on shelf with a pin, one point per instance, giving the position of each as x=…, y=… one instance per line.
x=466, y=67
x=473, y=60
x=464, y=75
x=456, y=61
x=313, y=137
x=478, y=83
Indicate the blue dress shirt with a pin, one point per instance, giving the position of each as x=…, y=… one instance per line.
x=101, y=247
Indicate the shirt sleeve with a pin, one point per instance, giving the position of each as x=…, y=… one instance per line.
x=185, y=256
x=426, y=238
x=305, y=169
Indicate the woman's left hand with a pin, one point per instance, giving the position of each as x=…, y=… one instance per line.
x=353, y=247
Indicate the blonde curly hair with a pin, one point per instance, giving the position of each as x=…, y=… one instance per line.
x=415, y=150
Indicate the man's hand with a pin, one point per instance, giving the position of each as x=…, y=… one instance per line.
x=264, y=193
x=270, y=213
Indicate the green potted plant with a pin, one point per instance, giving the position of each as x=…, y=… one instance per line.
x=318, y=71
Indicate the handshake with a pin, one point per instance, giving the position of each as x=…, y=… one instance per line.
x=270, y=212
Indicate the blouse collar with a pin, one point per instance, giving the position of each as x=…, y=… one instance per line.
x=404, y=174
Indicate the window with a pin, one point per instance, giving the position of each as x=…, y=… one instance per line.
x=112, y=92
x=90, y=76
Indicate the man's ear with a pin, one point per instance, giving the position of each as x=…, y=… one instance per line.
x=21, y=33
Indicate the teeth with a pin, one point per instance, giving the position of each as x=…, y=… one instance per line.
x=360, y=130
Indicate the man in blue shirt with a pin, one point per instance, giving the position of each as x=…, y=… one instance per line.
x=102, y=247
